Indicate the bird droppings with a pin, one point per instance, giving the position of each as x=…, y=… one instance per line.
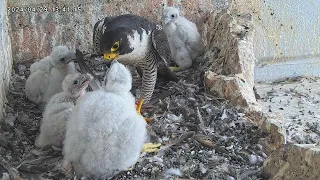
x=202, y=137
x=294, y=106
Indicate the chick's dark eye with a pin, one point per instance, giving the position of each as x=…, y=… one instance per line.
x=172, y=15
x=62, y=59
x=75, y=82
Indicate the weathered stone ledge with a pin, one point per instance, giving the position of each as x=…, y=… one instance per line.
x=231, y=77
x=293, y=161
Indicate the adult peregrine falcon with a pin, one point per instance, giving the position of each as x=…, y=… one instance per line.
x=135, y=41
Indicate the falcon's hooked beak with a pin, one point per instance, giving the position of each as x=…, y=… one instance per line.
x=114, y=53
x=110, y=56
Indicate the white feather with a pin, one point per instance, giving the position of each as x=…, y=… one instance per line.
x=140, y=47
x=173, y=171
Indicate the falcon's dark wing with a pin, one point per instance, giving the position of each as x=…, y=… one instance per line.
x=161, y=45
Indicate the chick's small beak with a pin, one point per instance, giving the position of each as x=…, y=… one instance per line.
x=114, y=62
x=110, y=56
x=86, y=79
x=166, y=20
x=71, y=57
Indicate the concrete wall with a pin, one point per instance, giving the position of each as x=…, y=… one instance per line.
x=287, y=37
x=5, y=55
x=291, y=30
x=288, y=42
x=33, y=34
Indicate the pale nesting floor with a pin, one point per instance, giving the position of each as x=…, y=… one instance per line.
x=295, y=105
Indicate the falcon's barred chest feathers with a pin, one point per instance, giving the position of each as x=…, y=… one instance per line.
x=135, y=41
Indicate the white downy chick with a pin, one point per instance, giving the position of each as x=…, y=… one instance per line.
x=59, y=108
x=105, y=134
x=119, y=77
x=47, y=75
x=44, y=65
x=183, y=37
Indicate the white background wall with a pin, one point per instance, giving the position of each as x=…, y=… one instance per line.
x=287, y=39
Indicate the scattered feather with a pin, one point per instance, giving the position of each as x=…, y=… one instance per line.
x=174, y=172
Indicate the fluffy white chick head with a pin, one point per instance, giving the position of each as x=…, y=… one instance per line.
x=118, y=78
x=76, y=84
x=170, y=14
x=61, y=56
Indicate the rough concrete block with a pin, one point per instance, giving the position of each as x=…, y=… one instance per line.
x=233, y=78
x=233, y=89
x=293, y=161
x=5, y=55
x=269, y=123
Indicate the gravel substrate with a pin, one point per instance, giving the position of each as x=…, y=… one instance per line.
x=202, y=137
x=293, y=105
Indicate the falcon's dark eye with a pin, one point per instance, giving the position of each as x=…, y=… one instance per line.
x=115, y=46
x=62, y=59
x=75, y=82
x=172, y=15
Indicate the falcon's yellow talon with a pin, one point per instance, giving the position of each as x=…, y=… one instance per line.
x=138, y=107
x=148, y=120
x=150, y=147
x=175, y=68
